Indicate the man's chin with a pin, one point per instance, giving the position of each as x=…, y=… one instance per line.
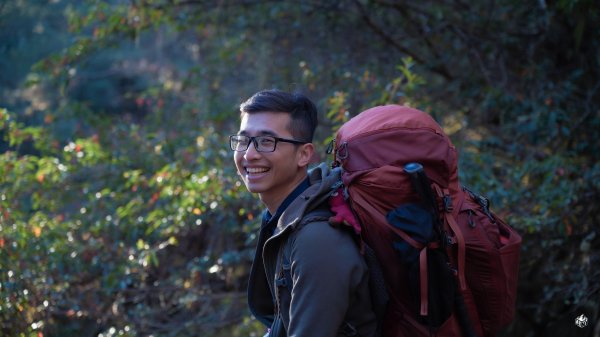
x=253, y=188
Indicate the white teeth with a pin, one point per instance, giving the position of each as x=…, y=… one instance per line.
x=256, y=169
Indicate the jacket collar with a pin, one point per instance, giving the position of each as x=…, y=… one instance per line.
x=323, y=182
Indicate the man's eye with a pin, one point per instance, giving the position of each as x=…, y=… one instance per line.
x=267, y=141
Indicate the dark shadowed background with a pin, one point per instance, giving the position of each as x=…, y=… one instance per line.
x=120, y=210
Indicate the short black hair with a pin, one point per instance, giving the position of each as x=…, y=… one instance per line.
x=302, y=110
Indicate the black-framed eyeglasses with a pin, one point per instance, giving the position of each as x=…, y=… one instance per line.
x=241, y=143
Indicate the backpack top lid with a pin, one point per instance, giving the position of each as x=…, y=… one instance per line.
x=395, y=135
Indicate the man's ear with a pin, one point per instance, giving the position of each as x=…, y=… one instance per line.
x=305, y=154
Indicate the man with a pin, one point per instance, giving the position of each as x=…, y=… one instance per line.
x=308, y=278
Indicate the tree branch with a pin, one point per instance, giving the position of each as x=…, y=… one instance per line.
x=390, y=40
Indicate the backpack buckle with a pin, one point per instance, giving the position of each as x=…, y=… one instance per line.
x=448, y=203
x=342, y=151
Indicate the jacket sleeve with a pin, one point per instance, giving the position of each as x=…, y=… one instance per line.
x=326, y=268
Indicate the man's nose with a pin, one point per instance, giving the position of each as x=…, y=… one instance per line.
x=251, y=151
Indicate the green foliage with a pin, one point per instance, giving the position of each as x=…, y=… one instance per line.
x=98, y=222
x=120, y=210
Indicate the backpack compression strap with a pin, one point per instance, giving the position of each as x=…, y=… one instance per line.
x=458, y=236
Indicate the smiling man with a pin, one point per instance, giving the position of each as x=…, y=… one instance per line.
x=308, y=278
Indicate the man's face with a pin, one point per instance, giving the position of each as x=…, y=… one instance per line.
x=273, y=175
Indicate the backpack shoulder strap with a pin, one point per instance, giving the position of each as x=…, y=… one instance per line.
x=285, y=252
x=284, y=278
x=283, y=283
x=316, y=215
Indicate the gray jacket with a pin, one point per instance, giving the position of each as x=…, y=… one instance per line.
x=329, y=291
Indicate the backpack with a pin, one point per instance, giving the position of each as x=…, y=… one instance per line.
x=449, y=264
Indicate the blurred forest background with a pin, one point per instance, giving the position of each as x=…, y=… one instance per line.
x=121, y=213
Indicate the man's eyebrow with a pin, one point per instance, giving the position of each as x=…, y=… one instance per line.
x=260, y=133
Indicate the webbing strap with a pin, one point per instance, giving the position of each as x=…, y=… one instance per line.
x=407, y=238
x=460, y=240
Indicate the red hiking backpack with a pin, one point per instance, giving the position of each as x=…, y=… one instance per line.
x=449, y=264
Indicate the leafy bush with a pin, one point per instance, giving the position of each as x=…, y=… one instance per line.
x=97, y=229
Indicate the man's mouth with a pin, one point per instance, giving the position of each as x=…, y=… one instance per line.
x=256, y=170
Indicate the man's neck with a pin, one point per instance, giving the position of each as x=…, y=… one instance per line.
x=273, y=203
